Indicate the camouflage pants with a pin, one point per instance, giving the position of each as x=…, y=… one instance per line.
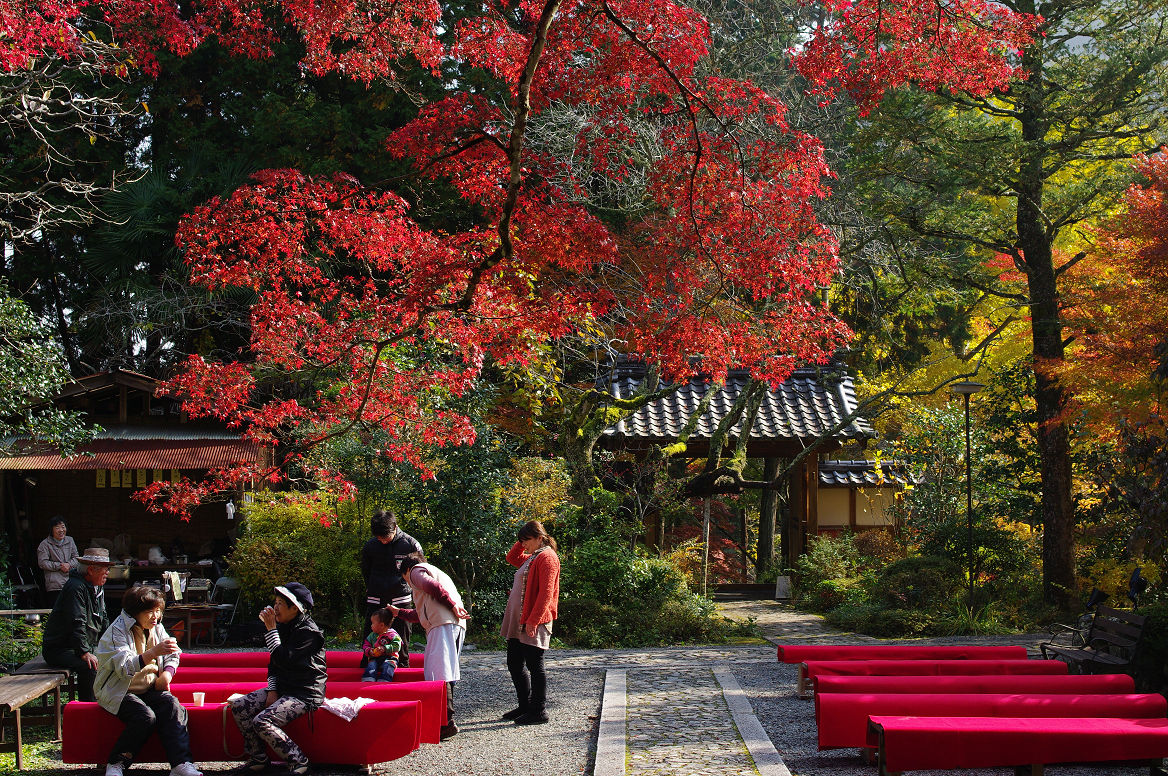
x=264, y=725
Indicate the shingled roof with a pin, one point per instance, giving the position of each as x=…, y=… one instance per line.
x=803, y=407
x=855, y=474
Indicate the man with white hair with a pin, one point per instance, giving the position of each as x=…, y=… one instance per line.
x=78, y=619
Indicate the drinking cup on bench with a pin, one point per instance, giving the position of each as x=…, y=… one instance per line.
x=197, y=698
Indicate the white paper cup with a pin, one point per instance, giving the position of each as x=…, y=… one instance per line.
x=197, y=698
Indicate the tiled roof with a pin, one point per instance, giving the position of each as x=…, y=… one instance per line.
x=802, y=408
x=141, y=454
x=841, y=474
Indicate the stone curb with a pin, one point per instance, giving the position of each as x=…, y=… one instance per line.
x=758, y=743
x=610, y=741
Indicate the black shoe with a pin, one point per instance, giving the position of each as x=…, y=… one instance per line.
x=447, y=731
x=251, y=768
x=298, y=769
x=533, y=718
x=515, y=714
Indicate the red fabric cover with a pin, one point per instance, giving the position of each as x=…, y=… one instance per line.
x=383, y=731
x=1046, y=685
x=334, y=658
x=431, y=694
x=189, y=674
x=927, y=667
x=801, y=653
x=842, y=718
x=935, y=743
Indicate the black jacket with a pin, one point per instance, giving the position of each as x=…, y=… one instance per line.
x=298, y=663
x=78, y=619
x=380, y=562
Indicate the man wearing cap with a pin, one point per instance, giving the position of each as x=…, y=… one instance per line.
x=78, y=619
x=381, y=558
x=296, y=681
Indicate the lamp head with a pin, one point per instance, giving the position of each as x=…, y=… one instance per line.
x=966, y=387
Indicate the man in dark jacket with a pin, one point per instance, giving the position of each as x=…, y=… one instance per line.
x=78, y=619
x=381, y=559
x=296, y=682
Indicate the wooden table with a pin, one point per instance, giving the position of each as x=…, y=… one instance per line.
x=17, y=690
x=190, y=617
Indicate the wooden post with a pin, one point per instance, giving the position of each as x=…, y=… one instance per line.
x=768, y=507
x=705, y=546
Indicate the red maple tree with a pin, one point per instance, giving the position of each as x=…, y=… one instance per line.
x=720, y=261
x=1115, y=308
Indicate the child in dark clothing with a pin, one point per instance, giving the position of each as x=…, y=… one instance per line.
x=380, y=651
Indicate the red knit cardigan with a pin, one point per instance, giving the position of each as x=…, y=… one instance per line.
x=541, y=594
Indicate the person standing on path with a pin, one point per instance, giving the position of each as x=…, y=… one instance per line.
x=78, y=619
x=527, y=621
x=381, y=559
x=439, y=610
x=57, y=556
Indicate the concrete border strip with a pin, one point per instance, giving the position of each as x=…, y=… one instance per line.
x=611, y=750
x=758, y=743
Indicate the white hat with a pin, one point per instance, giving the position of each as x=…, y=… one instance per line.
x=96, y=556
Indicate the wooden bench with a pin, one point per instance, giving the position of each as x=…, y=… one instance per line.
x=15, y=691
x=38, y=666
x=1109, y=644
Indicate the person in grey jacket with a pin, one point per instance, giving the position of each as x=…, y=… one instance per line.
x=56, y=556
x=136, y=661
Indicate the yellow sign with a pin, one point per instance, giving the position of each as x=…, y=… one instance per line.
x=101, y=478
x=128, y=478
x=143, y=475
x=174, y=476
x=157, y=475
x=115, y=478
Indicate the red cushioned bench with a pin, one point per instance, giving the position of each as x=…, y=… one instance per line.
x=188, y=674
x=943, y=743
x=842, y=718
x=801, y=654
x=334, y=658
x=1043, y=685
x=383, y=731
x=432, y=696
x=816, y=668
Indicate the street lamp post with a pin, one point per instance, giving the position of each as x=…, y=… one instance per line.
x=967, y=388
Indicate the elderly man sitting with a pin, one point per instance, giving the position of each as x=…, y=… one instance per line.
x=78, y=620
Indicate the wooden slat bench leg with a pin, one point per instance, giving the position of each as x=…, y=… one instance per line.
x=801, y=687
x=19, y=741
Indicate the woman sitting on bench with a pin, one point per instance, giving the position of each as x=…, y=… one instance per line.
x=136, y=661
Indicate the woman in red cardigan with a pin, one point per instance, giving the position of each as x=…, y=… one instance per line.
x=527, y=622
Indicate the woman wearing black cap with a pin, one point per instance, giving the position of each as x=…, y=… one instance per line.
x=296, y=679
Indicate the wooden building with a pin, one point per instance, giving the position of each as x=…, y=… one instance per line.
x=145, y=438
x=811, y=408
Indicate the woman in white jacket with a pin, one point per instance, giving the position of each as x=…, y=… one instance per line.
x=136, y=661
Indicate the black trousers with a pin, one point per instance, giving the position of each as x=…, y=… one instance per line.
x=67, y=658
x=525, y=663
x=153, y=710
x=401, y=626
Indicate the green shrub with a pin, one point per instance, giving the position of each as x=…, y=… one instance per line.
x=832, y=593
x=901, y=623
x=923, y=582
x=309, y=539
x=828, y=557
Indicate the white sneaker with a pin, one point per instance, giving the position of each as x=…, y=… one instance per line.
x=115, y=769
x=183, y=769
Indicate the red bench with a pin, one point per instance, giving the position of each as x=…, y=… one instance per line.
x=813, y=669
x=942, y=743
x=189, y=674
x=842, y=718
x=432, y=696
x=334, y=658
x=383, y=731
x=1043, y=685
x=801, y=653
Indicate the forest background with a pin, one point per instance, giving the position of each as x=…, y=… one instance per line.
x=403, y=244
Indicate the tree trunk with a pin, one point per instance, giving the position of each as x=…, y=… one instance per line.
x=1035, y=244
x=768, y=508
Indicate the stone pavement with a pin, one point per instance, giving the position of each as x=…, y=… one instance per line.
x=665, y=716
